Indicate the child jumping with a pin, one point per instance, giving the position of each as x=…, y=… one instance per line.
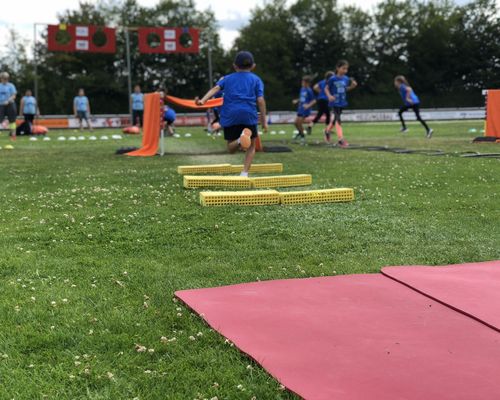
x=336, y=91
x=305, y=102
x=322, y=100
x=410, y=100
x=243, y=93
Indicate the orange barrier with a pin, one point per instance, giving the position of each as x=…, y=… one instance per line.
x=151, y=130
x=493, y=114
x=192, y=104
x=39, y=130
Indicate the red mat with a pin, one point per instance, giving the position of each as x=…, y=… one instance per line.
x=473, y=289
x=362, y=337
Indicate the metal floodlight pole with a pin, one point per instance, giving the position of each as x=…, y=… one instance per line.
x=210, y=66
x=35, y=63
x=129, y=73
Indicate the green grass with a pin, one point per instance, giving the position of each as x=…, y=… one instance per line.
x=109, y=239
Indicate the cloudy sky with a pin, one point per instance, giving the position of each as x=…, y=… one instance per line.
x=232, y=15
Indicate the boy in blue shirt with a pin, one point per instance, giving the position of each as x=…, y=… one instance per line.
x=81, y=108
x=29, y=107
x=322, y=100
x=305, y=103
x=137, y=104
x=8, y=109
x=411, y=101
x=169, y=117
x=336, y=91
x=243, y=93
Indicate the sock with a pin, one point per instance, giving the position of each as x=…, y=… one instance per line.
x=244, y=174
x=340, y=133
x=12, y=126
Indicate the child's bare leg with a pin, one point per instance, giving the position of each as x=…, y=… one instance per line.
x=233, y=146
x=249, y=155
x=299, y=124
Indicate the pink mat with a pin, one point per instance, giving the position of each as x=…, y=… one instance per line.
x=361, y=337
x=473, y=289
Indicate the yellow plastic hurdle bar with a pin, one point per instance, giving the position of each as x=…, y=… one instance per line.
x=204, y=181
x=317, y=196
x=209, y=181
x=273, y=197
x=228, y=168
x=244, y=198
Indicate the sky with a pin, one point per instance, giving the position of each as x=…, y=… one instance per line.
x=231, y=15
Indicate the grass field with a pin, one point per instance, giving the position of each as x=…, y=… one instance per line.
x=93, y=246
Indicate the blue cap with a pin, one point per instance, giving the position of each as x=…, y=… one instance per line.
x=244, y=60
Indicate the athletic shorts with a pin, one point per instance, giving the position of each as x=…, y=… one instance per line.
x=9, y=111
x=304, y=113
x=81, y=115
x=232, y=133
x=337, y=114
x=169, y=121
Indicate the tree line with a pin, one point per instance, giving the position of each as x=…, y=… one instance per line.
x=449, y=52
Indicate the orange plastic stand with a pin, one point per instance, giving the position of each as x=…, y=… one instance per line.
x=493, y=114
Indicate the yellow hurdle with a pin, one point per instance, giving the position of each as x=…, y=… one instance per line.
x=204, y=181
x=204, y=169
x=259, y=168
x=244, y=198
x=281, y=181
x=227, y=168
x=317, y=196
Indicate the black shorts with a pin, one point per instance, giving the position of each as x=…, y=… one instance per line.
x=337, y=114
x=137, y=115
x=232, y=133
x=82, y=115
x=29, y=117
x=9, y=111
x=169, y=121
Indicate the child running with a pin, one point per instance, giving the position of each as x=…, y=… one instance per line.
x=336, y=91
x=410, y=100
x=322, y=100
x=305, y=102
x=243, y=93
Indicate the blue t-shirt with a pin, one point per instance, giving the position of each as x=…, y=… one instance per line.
x=305, y=97
x=414, y=98
x=241, y=91
x=218, y=95
x=7, y=90
x=29, y=105
x=322, y=94
x=338, y=87
x=137, y=101
x=81, y=103
x=169, y=115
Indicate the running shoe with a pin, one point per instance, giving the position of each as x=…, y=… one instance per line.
x=342, y=143
x=429, y=133
x=404, y=130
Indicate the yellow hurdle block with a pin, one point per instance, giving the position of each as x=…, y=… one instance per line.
x=281, y=181
x=244, y=198
x=204, y=169
x=204, y=181
x=317, y=196
x=262, y=168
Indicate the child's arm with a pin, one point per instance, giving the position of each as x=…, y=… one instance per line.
x=74, y=108
x=88, y=107
x=309, y=105
x=261, y=102
x=211, y=93
x=352, y=85
x=316, y=88
x=408, y=95
x=295, y=101
x=330, y=96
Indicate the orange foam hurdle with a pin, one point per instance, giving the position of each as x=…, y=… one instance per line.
x=192, y=104
x=493, y=114
x=151, y=130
